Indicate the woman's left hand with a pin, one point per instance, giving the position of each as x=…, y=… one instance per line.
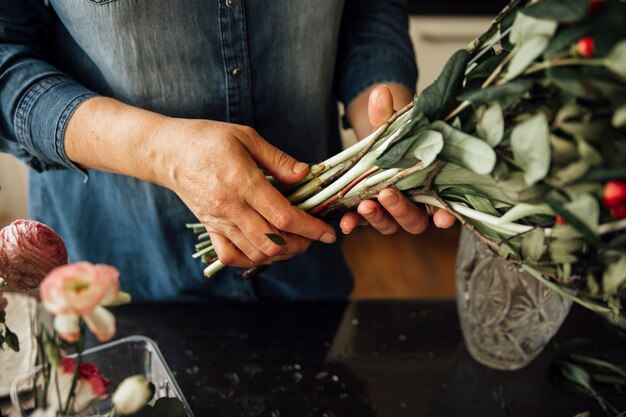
x=393, y=210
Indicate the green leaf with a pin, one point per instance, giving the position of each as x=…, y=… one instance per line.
x=394, y=154
x=534, y=245
x=564, y=38
x=482, y=204
x=466, y=150
x=563, y=11
x=526, y=27
x=587, y=152
x=614, y=277
x=277, y=239
x=510, y=90
x=491, y=125
x=563, y=150
x=437, y=100
x=571, y=173
x=428, y=147
x=11, y=339
x=619, y=117
x=558, y=205
x=616, y=60
x=526, y=54
x=483, y=70
x=586, y=208
x=522, y=210
x=530, y=141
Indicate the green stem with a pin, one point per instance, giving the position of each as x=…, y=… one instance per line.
x=79, y=359
x=599, y=363
x=477, y=43
x=541, y=66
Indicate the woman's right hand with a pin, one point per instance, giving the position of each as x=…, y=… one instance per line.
x=214, y=167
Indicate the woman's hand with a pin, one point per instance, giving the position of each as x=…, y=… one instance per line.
x=212, y=166
x=215, y=171
x=393, y=210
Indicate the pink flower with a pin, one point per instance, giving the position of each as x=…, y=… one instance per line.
x=81, y=290
x=91, y=386
x=28, y=251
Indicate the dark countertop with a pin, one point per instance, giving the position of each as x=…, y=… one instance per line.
x=456, y=7
x=339, y=359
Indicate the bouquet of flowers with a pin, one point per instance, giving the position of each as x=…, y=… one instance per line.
x=33, y=256
x=522, y=138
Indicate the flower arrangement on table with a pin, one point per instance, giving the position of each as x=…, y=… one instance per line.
x=33, y=256
x=522, y=138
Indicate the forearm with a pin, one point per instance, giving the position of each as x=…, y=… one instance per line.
x=108, y=135
x=357, y=111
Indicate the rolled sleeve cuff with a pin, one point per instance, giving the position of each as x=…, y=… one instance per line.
x=42, y=116
x=376, y=67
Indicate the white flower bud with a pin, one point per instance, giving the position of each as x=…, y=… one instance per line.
x=132, y=395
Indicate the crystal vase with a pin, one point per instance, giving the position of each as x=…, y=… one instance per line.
x=134, y=355
x=507, y=316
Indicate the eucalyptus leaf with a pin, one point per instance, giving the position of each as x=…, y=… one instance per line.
x=586, y=208
x=394, y=154
x=438, y=99
x=558, y=203
x=530, y=141
x=614, y=277
x=466, y=150
x=428, y=146
x=563, y=11
x=587, y=152
x=491, y=125
x=277, y=239
x=565, y=38
x=562, y=251
x=616, y=60
x=619, y=117
x=526, y=54
x=563, y=150
x=482, y=204
x=510, y=90
x=522, y=210
x=565, y=231
x=571, y=173
x=534, y=245
x=526, y=27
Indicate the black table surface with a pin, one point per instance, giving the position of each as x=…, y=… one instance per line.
x=356, y=359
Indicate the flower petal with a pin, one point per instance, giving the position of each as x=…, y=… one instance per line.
x=102, y=323
x=66, y=325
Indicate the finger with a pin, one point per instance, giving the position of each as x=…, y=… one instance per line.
x=380, y=105
x=443, y=219
x=256, y=229
x=377, y=217
x=410, y=217
x=280, y=165
x=275, y=208
x=228, y=253
x=351, y=221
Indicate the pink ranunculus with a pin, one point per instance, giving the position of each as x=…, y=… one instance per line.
x=90, y=387
x=81, y=290
x=28, y=251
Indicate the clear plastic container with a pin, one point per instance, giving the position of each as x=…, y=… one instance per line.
x=133, y=355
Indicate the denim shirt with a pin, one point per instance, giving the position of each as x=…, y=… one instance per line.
x=279, y=66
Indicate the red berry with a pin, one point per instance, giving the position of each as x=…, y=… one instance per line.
x=619, y=212
x=614, y=194
x=560, y=220
x=585, y=46
x=595, y=6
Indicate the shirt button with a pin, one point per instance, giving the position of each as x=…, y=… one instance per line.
x=237, y=72
x=231, y=3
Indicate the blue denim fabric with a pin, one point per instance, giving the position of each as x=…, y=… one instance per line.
x=297, y=57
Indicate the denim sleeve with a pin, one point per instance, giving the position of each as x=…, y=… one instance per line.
x=36, y=99
x=374, y=47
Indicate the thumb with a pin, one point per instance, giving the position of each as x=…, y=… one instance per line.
x=277, y=163
x=380, y=105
